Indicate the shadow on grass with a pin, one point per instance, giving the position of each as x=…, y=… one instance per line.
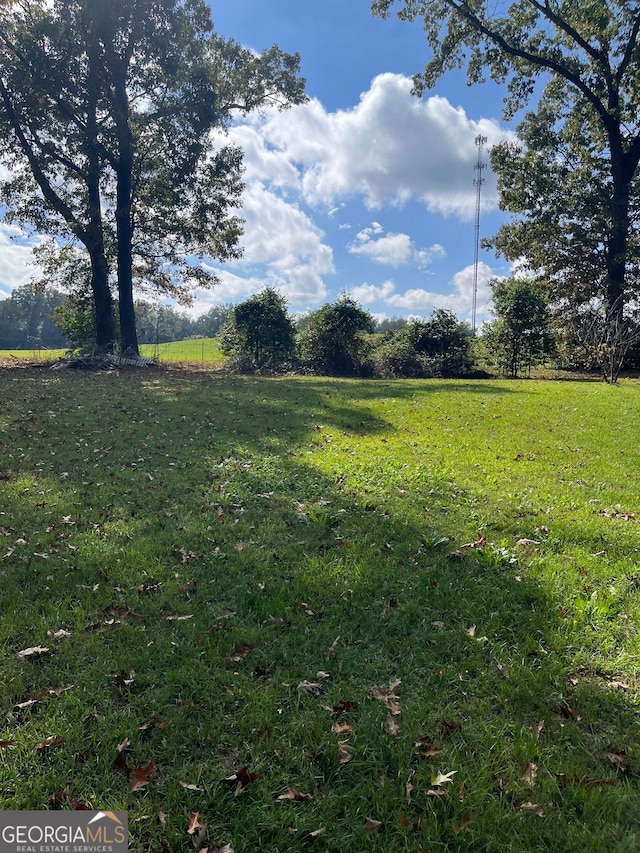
x=204, y=535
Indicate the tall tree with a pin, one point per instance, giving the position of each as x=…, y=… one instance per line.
x=161, y=83
x=49, y=102
x=521, y=335
x=588, y=56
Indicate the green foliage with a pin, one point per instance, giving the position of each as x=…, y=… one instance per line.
x=438, y=346
x=27, y=317
x=112, y=116
x=521, y=336
x=333, y=339
x=573, y=180
x=260, y=331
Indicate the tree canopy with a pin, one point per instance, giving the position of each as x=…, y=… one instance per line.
x=574, y=178
x=112, y=115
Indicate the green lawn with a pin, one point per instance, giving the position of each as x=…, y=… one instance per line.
x=199, y=351
x=323, y=615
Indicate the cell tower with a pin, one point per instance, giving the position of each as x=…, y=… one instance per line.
x=478, y=182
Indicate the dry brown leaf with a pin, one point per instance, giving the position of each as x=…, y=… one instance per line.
x=530, y=773
x=179, y=618
x=526, y=542
x=345, y=752
x=538, y=729
x=188, y=787
x=294, y=794
x=312, y=687
x=535, y=808
x=241, y=651
x=58, y=635
x=438, y=625
x=463, y=825
x=194, y=823
x=140, y=776
x=316, y=833
x=33, y=653
x=471, y=630
x=409, y=788
x=342, y=728
x=50, y=741
x=332, y=648
x=436, y=792
x=617, y=758
x=371, y=826
x=392, y=725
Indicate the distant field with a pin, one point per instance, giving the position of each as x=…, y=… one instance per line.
x=201, y=351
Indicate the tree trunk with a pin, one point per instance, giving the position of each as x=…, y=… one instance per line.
x=124, y=221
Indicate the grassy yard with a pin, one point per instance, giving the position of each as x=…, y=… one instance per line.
x=198, y=351
x=319, y=615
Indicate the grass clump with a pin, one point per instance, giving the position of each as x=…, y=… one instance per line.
x=321, y=614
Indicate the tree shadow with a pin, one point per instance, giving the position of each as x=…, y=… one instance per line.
x=217, y=482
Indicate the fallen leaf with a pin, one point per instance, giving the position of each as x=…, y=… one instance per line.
x=530, y=773
x=436, y=792
x=538, y=729
x=194, y=823
x=463, y=825
x=332, y=648
x=242, y=779
x=408, y=788
x=392, y=725
x=426, y=748
x=438, y=625
x=5, y=743
x=33, y=653
x=617, y=758
x=294, y=794
x=443, y=778
x=189, y=787
x=58, y=635
x=342, y=728
x=50, y=741
x=345, y=752
x=179, y=618
x=525, y=542
x=343, y=706
x=371, y=826
x=241, y=651
x=313, y=687
x=502, y=670
x=316, y=833
x=532, y=807
x=471, y=630
x=140, y=776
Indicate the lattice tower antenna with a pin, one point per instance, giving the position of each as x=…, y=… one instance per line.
x=478, y=181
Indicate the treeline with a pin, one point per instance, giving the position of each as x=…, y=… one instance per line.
x=33, y=318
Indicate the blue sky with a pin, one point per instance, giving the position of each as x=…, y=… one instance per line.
x=365, y=189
